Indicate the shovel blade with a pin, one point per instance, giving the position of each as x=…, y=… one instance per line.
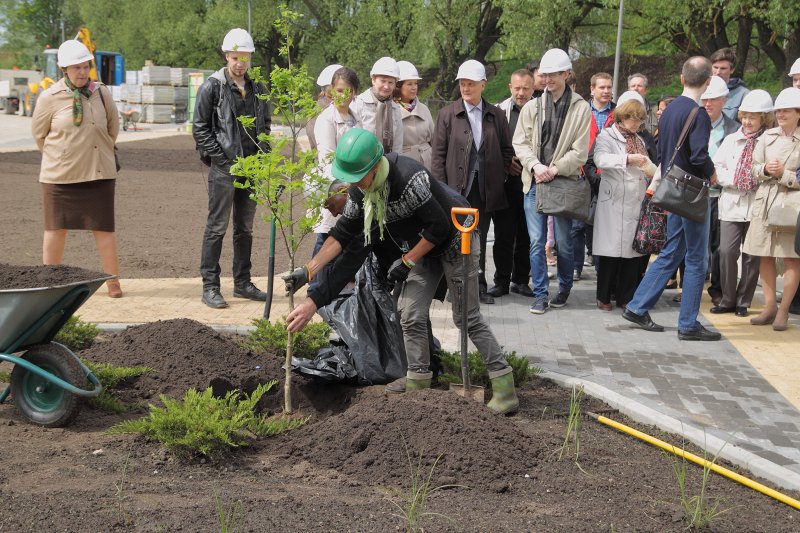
x=473, y=392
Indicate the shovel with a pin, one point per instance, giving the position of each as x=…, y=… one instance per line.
x=465, y=389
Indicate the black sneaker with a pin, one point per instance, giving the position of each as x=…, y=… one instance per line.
x=539, y=305
x=560, y=300
x=250, y=291
x=213, y=298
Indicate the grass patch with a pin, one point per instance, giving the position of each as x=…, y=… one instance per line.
x=77, y=334
x=203, y=424
x=5, y=377
x=230, y=517
x=573, y=432
x=699, y=510
x=414, y=501
x=110, y=376
x=451, y=366
x=272, y=337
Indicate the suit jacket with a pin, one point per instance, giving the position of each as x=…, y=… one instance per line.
x=452, y=142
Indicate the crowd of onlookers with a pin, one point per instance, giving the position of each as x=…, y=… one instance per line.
x=500, y=157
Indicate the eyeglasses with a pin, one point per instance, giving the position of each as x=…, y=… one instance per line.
x=553, y=74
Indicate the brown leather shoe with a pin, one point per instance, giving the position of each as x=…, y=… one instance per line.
x=397, y=386
x=604, y=307
x=114, y=290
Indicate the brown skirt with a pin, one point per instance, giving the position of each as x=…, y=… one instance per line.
x=87, y=205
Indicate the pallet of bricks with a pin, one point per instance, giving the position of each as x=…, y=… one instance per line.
x=157, y=93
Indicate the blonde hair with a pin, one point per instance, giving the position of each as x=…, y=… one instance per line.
x=767, y=119
x=629, y=109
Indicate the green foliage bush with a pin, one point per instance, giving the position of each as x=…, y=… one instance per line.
x=268, y=336
x=451, y=365
x=110, y=376
x=202, y=423
x=77, y=334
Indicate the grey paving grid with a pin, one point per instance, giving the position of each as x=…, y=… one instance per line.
x=706, y=392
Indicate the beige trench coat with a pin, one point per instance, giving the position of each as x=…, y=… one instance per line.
x=772, y=192
x=418, y=133
x=75, y=154
x=619, y=201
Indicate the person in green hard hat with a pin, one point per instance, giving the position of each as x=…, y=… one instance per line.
x=398, y=212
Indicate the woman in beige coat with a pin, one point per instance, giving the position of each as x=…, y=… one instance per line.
x=417, y=120
x=775, y=162
x=75, y=125
x=621, y=156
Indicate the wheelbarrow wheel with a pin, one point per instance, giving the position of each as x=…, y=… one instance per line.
x=37, y=399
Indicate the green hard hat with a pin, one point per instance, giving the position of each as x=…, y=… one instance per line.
x=357, y=153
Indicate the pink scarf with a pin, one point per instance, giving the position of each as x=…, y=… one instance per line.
x=743, y=176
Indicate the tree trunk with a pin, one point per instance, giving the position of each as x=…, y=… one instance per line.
x=745, y=25
x=766, y=40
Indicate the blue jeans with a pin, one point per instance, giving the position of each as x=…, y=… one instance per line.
x=577, y=234
x=317, y=247
x=688, y=239
x=537, y=229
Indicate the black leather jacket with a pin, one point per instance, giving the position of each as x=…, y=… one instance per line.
x=215, y=128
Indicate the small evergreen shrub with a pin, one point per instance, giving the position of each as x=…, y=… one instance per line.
x=451, y=366
x=110, y=376
x=269, y=337
x=202, y=423
x=77, y=334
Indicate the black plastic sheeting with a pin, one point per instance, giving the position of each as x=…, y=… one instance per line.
x=371, y=349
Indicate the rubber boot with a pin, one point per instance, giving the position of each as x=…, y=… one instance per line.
x=397, y=386
x=418, y=380
x=504, y=395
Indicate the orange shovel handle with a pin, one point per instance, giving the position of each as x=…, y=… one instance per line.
x=465, y=230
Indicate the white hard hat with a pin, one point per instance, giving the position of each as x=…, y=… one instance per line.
x=326, y=76
x=716, y=88
x=795, y=67
x=471, y=70
x=385, y=66
x=407, y=71
x=788, y=99
x=554, y=60
x=630, y=95
x=757, y=101
x=238, y=40
x=73, y=52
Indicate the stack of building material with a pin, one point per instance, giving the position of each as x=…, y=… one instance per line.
x=156, y=75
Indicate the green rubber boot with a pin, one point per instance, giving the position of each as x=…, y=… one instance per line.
x=418, y=380
x=504, y=395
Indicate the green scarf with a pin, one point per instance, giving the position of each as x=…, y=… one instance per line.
x=77, y=105
x=375, y=201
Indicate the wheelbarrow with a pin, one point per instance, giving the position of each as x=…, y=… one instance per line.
x=48, y=379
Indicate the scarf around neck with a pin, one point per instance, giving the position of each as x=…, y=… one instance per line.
x=383, y=121
x=633, y=145
x=77, y=104
x=375, y=198
x=743, y=175
x=410, y=106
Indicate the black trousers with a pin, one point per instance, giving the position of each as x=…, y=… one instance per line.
x=475, y=201
x=715, y=288
x=512, y=243
x=618, y=276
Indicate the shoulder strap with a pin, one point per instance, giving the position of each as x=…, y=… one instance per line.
x=684, y=132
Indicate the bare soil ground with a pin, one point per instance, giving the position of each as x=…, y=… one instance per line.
x=346, y=467
x=161, y=208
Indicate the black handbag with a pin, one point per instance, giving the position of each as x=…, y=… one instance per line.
x=680, y=192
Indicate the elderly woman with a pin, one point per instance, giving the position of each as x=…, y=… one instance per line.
x=734, y=163
x=323, y=99
x=621, y=156
x=775, y=161
x=417, y=120
x=75, y=125
x=380, y=114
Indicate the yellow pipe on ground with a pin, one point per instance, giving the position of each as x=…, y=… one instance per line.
x=699, y=460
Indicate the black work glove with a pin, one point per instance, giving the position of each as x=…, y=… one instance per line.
x=295, y=280
x=398, y=272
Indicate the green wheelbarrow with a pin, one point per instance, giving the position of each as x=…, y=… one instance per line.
x=48, y=380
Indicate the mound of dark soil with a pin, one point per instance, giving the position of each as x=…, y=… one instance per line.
x=369, y=440
x=30, y=277
x=185, y=354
